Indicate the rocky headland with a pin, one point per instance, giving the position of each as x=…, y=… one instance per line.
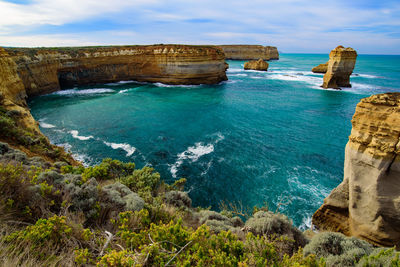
x=367, y=203
x=46, y=70
x=340, y=66
x=250, y=52
x=321, y=68
x=260, y=65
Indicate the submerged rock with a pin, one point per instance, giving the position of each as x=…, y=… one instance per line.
x=340, y=66
x=321, y=68
x=367, y=203
x=256, y=65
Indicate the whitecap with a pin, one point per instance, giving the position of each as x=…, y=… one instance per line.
x=84, y=91
x=123, y=91
x=119, y=83
x=46, y=125
x=176, y=85
x=239, y=75
x=75, y=134
x=85, y=159
x=128, y=148
x=192, y=154
x=369, y=76
x=306, y=223
x=234, y=70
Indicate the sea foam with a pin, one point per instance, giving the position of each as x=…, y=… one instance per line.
x=84, y=91
x=128, y=148
x=46, y=125
x=75, y=134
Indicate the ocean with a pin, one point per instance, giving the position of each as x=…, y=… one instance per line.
x=261, y=138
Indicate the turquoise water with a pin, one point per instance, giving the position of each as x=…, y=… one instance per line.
x=261, y=137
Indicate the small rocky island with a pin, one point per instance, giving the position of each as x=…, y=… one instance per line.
x=260, y=65
x=321, y=68
x=340, y=66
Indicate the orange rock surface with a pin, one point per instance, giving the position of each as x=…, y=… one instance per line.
x=46, y=70
x=340, y=66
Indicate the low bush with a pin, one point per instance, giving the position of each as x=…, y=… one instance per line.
x=337, y=249
x=277, y=226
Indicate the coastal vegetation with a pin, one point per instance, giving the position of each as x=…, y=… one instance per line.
x=112, y=214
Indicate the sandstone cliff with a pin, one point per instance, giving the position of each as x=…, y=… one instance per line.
x=46, y=70
x=321, y=68
x=249, y=52
x=12, y=90
x=367, y=203
x=256, y=65
x=340, y=66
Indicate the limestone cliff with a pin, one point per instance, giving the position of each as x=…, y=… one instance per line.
x=340, y=66
x=249, y=52
x=321, y=68
x=12, y=90
x=256, y=65
x=46, y=70
x=367, y=203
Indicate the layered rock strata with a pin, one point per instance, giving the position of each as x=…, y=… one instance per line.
x=321, y=68
x=12, y=90
x=260, y=65
x=250, y=52
x=47, y=70
x=340, y=66
x=367, y=203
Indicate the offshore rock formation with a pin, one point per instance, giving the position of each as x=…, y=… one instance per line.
x=47, y=70
x=367, y=203
x=340, y=67
x=256, y=65
x=321, y=68
x=250, y=52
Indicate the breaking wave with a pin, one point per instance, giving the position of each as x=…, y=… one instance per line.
x=84, y=91
x=75, y=134
x=128, y=148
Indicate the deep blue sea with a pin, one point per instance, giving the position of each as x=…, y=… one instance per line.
x=260, y=137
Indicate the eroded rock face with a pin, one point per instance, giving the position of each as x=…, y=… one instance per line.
x=340, y=66
x=321, y=68
x=256, y=65
x=46, y=70
x=367, y=203
x=250, y=52
x=12, y=90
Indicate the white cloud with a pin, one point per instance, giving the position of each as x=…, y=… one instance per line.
x=292, y=25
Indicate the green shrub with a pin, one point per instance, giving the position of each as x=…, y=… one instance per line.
x=144, y=182
x=276, y=226
x=337, y=249
x=108, y=169
x=117, y=197
x=178, y=199
x=381, y=257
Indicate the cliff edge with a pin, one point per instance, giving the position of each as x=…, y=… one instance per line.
x=367, y=203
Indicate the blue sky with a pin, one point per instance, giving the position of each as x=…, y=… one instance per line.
x=314, y=26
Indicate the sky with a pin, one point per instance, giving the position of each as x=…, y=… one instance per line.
x=294, y=26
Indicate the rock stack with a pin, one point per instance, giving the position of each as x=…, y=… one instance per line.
x=256, y=65
x=340, y=66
